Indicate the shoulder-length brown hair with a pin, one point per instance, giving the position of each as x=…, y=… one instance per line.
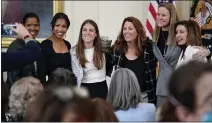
x=98, y=58
x=193, y=29
x=104, y=111
x=173, y=19
x=121, y=44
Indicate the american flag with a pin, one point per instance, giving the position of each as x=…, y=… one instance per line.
x=198, y=19
x=152, y=13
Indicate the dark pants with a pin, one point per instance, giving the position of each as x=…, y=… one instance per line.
x=98, y=89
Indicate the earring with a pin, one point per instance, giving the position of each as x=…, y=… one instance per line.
x=64, y=36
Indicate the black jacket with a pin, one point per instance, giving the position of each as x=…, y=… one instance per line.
x=116, y=58
x=28, y=70
x=18, y=59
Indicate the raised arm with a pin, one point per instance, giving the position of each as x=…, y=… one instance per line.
x=18, y=59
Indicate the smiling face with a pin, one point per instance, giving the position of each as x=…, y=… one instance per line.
x=33, y=26
x=60, y=28
x=181, y=34
x=129, y=32
x=163, y=17
x=88, y=33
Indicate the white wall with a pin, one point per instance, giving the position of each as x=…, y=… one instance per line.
x=107, y=14
x=183, y=9
x=110, y=14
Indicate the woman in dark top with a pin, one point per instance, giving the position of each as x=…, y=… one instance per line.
x=133, y=50
x=16, y=60
x=55, y=50
x=32, y=23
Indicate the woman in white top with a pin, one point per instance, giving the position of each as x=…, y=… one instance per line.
x=88, y=60
x=187, y=37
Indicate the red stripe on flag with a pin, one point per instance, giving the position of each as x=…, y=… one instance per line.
x=149, y=26
x=152, y=11
x=198, y=20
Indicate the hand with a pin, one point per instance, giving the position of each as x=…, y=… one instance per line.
x=21, y=31
x=203, y=52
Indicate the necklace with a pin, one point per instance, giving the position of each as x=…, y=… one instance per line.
x=165, y=45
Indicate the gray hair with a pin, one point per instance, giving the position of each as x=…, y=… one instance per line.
x=22, y=93
x=124, y=91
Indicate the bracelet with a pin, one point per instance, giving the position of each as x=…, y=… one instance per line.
x=29, y=39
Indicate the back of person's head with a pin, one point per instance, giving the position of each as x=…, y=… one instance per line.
x=62, y=76
x=124, y=91
x=166, y=112
x=22, y=93
x=104, y=111
x=189, y=93
x=62, y=104
x=30, y=15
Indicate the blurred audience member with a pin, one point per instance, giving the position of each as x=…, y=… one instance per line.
x=22, y=93
x=62, y=104
x=190, y=94
x=18, y=59
x=62, y=76
x=104, y=111
x=125, y=97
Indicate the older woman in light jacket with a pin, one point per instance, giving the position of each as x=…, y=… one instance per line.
x=187, y=36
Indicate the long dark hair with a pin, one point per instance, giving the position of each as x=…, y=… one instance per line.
x=121, y=44
x=98, y=58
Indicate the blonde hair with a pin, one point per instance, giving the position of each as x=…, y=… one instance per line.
x=173, y=19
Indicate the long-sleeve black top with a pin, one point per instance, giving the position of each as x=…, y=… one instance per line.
x=18, y=59
x=51, y=60
x=28, y=70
